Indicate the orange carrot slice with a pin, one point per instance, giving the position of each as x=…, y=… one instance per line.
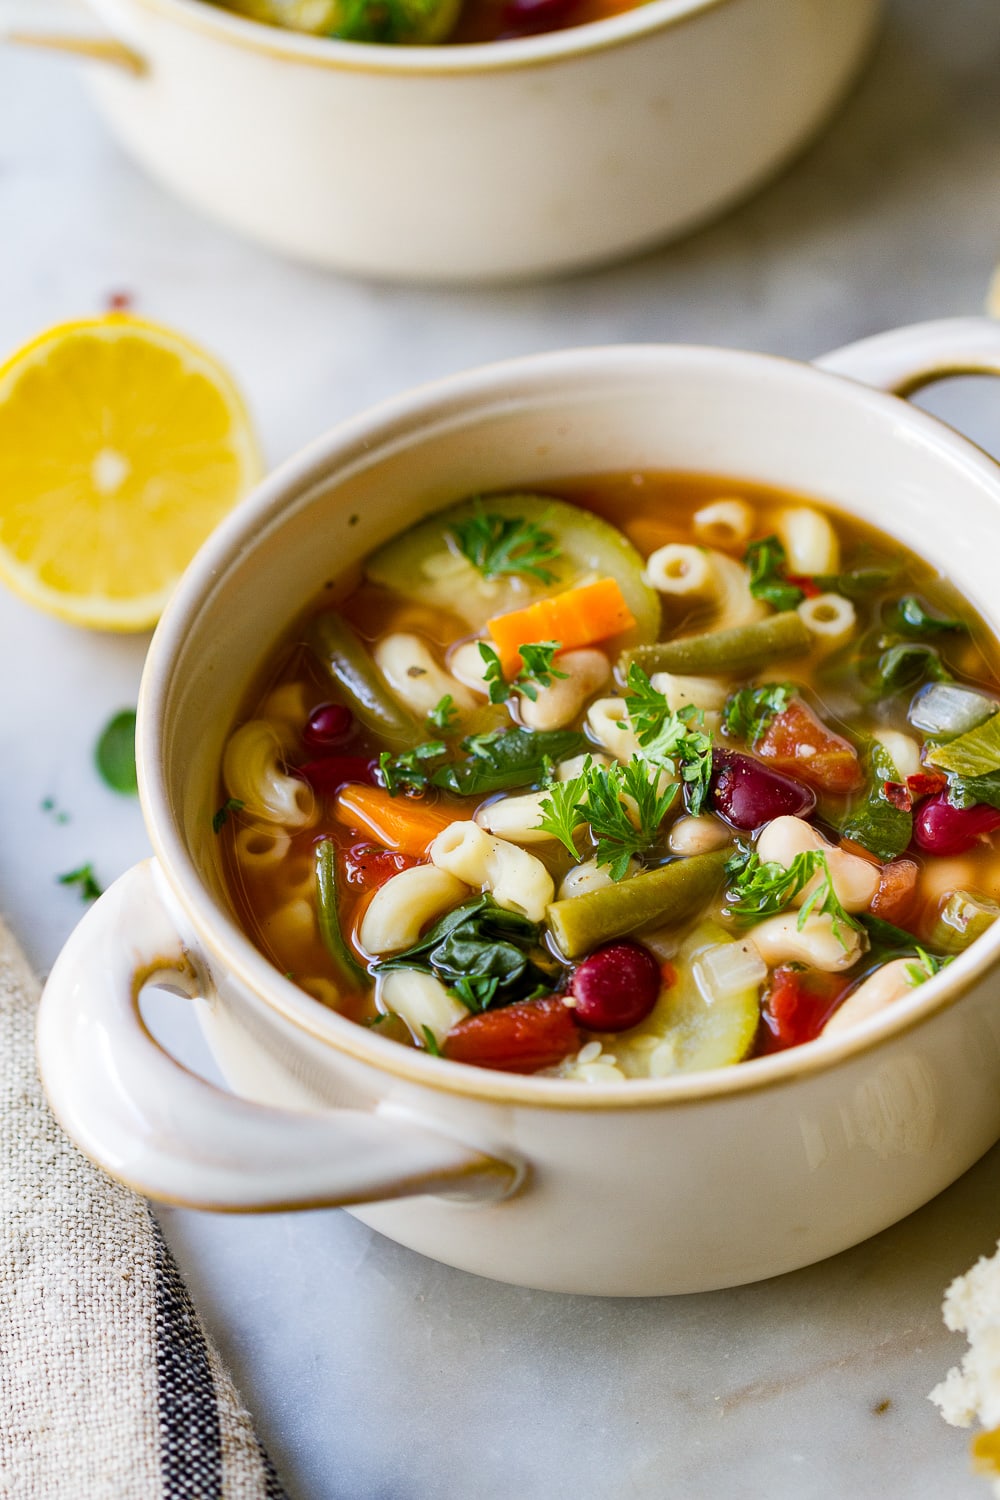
x=397, y=822
x=577, y=617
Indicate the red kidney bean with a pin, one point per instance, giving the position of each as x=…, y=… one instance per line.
x=327, y=727
x=525, y=16
x=747, y=794
x=939, y=828
x=334, y=771
x=616, y=987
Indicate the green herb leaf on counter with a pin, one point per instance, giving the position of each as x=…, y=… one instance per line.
x=475, y=943
x=876, y=823
x=910, y=616
x=749, y=711
x=48, y=805
x=768, y=565
x=673, y=741
x=505, y=759
x=499, y=546
x=221, y=815
x=85, y=880
x=444, y=715
x=411, y=770
x=761, y=890
x=115, y=753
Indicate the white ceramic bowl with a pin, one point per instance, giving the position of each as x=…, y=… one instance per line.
x=510, y=159
x=699, y=1181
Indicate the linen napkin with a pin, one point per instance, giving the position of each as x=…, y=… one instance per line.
x=109, y=1389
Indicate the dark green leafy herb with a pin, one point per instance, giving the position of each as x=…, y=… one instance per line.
x=410, y=771
x=968, y=791
x=392, y=21
x=768, y=567
x=431, y=1041
x=748, y=712
x=444, y=715
x=477, y=994
x=221, y=815
x=884, y=935
x=85, y=881
x=510, y=758
x=876, y=823
x=115, y=753
x=761, y=890
x=562, y=809
x=927, y=965
x=499, y=546
x=673, y=741
x=902, y=666
x=477, y=942
x=618, y=839
x=48, y=805
x=910, y=616
x=536, y=672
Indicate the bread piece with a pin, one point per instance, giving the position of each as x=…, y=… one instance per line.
x=971, y=1392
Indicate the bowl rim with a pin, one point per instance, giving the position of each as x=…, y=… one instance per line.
x=627, y=26
x=375, y=429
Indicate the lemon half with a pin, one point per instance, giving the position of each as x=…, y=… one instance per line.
x=122, y=445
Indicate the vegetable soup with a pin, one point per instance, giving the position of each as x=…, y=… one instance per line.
x=641, y=775
x=426, y=22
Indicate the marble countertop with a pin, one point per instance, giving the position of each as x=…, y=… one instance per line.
x=371, y=1371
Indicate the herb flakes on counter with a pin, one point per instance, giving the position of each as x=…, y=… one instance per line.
x=114, y=754
x=85, y=881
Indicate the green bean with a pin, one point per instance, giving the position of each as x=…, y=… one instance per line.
x=963, y=918
x=743, y=648
x=349, y=972
x=347, y=661
x=664, y=895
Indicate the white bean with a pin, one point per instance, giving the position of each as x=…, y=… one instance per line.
x=466, y=663
x=780, y=940
x=855, y=880
x=698, y=835
x=589, y=876
x=708, y=693
x=888, y=984
x=561, y=700
x=809, y=540
x=904, y=752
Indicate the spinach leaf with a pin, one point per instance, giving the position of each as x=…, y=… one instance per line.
x=910, y=616
x=768, y=567
x=967, y=791
x=876, y=823
x=509, y=758
x=477, y=943
x=901, y=666
x=974, y=754
x=856, y=583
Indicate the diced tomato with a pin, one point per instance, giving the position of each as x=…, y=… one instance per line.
x=668, y=974
x=809, y=586
x=517, y=1039
x=367, y=866
x=797, y=1007
x=898, y=794
x=798, y=742
x=926, y=784
x=896, y=897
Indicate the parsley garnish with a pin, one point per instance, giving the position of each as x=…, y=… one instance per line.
x=537, y=670
x=674, y=741
x=926, y=966
x=768, y=566
x=748, y=712
x=444, y=714
x=410, y=771
x=85, y=879
x=476, y=993
x=762, y=890
x=221, y=815
x=499, y=546
x=596, y=797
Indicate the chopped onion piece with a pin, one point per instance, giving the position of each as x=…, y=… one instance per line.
x=728, y=969
x=946, y=708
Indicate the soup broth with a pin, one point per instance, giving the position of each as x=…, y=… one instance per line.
x=643, y=774
x=409, y=22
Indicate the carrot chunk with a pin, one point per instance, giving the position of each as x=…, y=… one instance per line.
x=577, y=617
x=398, y=823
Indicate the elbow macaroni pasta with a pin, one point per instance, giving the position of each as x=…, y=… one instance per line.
x=516, y=879
x=252, y=774
x=400, y=909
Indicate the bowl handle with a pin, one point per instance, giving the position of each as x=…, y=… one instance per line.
x=907, y=359
x=168, y=1134
x=88, y=45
